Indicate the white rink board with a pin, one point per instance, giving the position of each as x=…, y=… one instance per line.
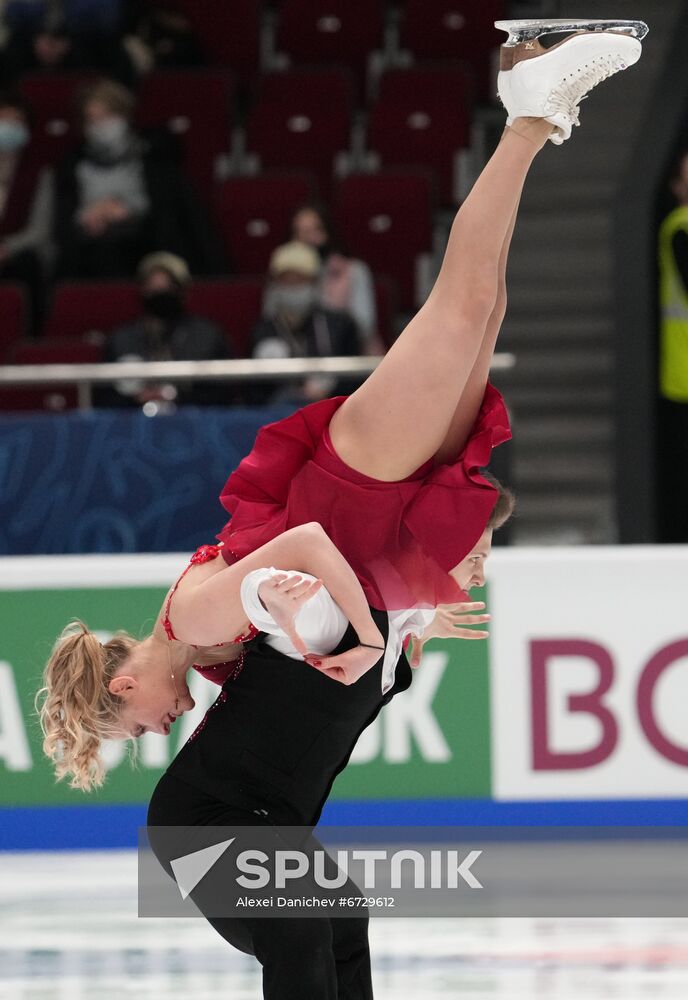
x=586, y=612
x=619, y=606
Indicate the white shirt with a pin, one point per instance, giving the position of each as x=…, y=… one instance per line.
x=321, y=623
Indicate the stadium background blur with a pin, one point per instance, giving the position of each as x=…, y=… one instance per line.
x=573, y=713
x=386, y=112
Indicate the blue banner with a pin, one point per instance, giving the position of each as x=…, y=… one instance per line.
x=111, y=481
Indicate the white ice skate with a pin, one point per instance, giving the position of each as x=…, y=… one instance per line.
x=550, y=82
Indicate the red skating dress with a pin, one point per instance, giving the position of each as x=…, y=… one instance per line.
x=400, y=538
x=216, y=672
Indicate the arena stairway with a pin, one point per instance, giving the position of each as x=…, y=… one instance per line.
x=560, y=320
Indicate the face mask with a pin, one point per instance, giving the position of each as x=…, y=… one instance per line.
x=13, y=136
x=109, y=137
x=166, y=306
x=295, y=301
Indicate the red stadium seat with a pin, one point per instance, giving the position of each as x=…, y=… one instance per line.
x=235, y=305
x=228, y=32
x=198, y=108
x=13, y=308
x=46, y=397
x=52, y=99
x=422, y=118
x=386, y=219
x=331, y=31
x=455, y=29
x=252, y=215
x=302, y=118
x=81, y=307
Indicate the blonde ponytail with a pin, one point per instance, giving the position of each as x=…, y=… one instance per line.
x=75, y=708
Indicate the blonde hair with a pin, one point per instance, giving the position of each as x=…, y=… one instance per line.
x=77, y=710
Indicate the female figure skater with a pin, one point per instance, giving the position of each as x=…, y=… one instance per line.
x=391, y=472
x=279, y=733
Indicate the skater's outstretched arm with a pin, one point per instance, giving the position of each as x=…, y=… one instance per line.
x=278, y=605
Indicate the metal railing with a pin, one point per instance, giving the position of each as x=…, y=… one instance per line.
x=85, y=376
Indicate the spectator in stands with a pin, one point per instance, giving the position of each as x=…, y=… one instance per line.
x=346, y=283
x=162, y=38
x=673, y=361
x=295, y=325
x=48, y=36
x=26, y=206
x=121, y=195
x=166, y=332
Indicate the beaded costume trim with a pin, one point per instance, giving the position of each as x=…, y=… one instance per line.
x=204, y=554
x=221, y=698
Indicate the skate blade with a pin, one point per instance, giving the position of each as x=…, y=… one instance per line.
x=527, y=31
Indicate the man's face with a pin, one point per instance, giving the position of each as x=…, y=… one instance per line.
x=162, y=297
x=293, y=279
x=13, y=115
x=294, y=296
x=14, y=131
x=309, y=228
x=96, y=111
x=470, y=572
x=157, y=281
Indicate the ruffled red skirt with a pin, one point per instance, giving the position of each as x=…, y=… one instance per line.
x=401, y=538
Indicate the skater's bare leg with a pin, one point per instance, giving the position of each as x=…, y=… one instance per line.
x=400, y=417
x=469, y=404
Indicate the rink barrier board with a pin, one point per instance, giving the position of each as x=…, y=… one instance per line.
x=436, y=739
x=575, y=707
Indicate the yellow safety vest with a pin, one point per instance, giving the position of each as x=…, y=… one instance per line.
x=673, y=299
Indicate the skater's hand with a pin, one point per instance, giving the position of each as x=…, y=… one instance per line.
x=450, y=622
x=282, y=597
x=346, y=667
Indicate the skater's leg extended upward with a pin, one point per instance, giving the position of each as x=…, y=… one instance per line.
x=423, y=398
